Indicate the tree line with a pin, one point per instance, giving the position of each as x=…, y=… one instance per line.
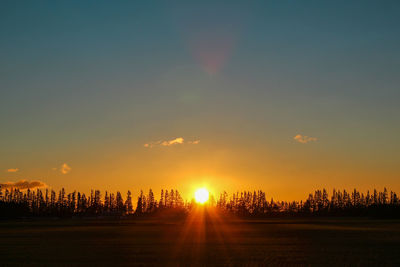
x=20, y=203
x=319, y=203
x=16, y=202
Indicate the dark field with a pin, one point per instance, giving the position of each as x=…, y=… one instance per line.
x=194, y=241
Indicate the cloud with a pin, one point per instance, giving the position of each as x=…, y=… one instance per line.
x=23, y=184
x=304, y=139
x=65, y=168
x=13, y=170
x=176, y=141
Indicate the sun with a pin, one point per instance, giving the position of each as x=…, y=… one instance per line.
x=201, y=195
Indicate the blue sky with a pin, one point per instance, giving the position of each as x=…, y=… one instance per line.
x=89, y=83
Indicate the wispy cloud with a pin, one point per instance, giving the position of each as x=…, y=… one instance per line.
x=12, y=170
x=22, y=184
x=176, y=141
x=65, y=168
x=304, y=139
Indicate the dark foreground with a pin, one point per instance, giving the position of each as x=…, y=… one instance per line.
x=194, y=241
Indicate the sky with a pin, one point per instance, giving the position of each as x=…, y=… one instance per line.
x=282, y=96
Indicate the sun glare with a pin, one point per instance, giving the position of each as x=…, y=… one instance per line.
x=201, y=195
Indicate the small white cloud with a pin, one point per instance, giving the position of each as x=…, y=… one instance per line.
x=65, y=168
x=176, y=141
x=12, y=170
x=304, y=139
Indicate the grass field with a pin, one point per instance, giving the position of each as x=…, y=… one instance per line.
x=191, y=241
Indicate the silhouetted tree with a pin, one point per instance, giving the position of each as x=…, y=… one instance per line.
x=128, y=202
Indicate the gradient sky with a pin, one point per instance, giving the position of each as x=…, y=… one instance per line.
x=89, y=83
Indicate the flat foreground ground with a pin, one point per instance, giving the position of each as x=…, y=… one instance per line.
x=201, y=242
